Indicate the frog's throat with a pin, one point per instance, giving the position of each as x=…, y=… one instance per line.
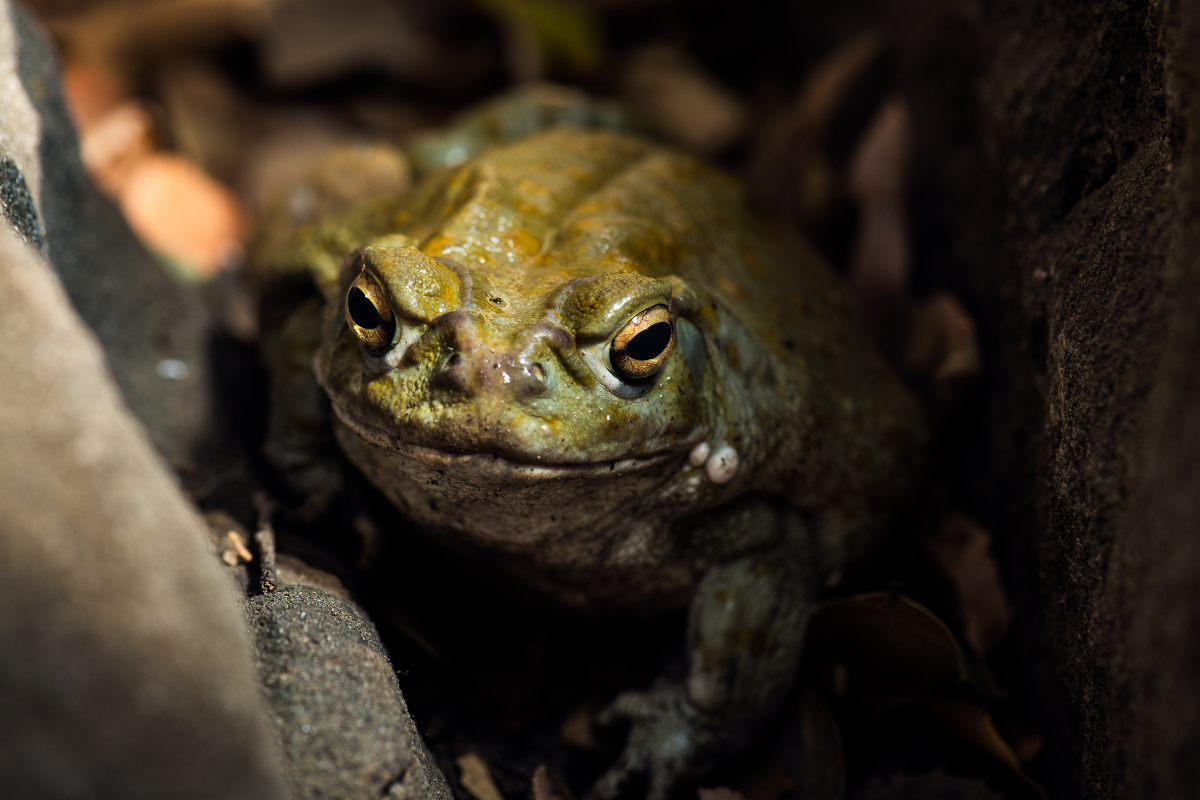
x=509, y=465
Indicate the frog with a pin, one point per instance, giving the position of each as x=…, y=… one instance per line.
x=586, y=359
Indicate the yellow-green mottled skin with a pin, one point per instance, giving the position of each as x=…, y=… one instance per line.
x=494, y=422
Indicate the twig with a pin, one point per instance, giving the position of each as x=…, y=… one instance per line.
x=264, y=537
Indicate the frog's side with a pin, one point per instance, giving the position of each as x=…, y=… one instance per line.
x=767, y=448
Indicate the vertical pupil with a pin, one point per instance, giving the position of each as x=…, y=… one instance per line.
x=362, y=310
x=649, y=343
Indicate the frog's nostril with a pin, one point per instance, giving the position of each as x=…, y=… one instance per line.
x=531, y=380
x=453, y=374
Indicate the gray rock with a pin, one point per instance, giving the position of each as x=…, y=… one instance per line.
x=142, y=316
x=339, y=716
x=1059, y=196
x=124, y=666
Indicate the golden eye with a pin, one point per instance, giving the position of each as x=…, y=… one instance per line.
x=369, y=316
x=641, y=347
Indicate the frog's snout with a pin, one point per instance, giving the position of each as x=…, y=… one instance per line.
x=470, y=368
x=466, y=376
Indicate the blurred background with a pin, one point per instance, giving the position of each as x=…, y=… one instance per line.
x=196, y=116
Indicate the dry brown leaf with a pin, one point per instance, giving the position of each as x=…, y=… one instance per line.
x=180, y=212
x=665, y=85
x=825, y=87
x=885, y=644
x=576, y=729
x=114, y=144
x=962, y=548
x=941, y=349
x=208, y=120
x=389, y=118
x=891, y=646
x=358, y=171
x=973, y=723
x=119, y=34
x=282, y=151
x=1026, y=745
x=878, y=181
x=91, y=91
x=309, y=41
x=524, y=56
x=329, y=180
x=789, y=163
x=475, y=778
x=542, y=788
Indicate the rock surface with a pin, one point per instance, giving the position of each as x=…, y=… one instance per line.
x=339, y=717
x=1057, y=188
x=148, y=323
x=124, y=667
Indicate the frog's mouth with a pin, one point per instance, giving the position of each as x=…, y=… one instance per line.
x=513, y=465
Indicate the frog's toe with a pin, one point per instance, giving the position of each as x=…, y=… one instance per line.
x=640, y=775
x=630, y=706
x=665, y=749
x=622, y=778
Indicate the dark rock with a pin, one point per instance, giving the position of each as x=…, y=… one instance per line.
x=339, y=717
x=16, y=205
x=1058, y=194
x=124, y=666
x=146, y=321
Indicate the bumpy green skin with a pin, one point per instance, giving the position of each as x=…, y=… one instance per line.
x=494, y=422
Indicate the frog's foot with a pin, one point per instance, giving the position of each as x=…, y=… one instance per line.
x=671, y=743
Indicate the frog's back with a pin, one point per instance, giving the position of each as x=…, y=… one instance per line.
x=570, y=203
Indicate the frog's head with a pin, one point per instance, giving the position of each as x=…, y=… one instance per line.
x=576, y=375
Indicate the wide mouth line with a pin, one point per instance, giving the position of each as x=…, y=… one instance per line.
x=511, y=460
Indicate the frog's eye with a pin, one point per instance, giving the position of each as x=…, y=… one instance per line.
x=641, y=347
x=369, y=316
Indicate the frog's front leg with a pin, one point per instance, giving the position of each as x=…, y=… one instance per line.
x=744, y=637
